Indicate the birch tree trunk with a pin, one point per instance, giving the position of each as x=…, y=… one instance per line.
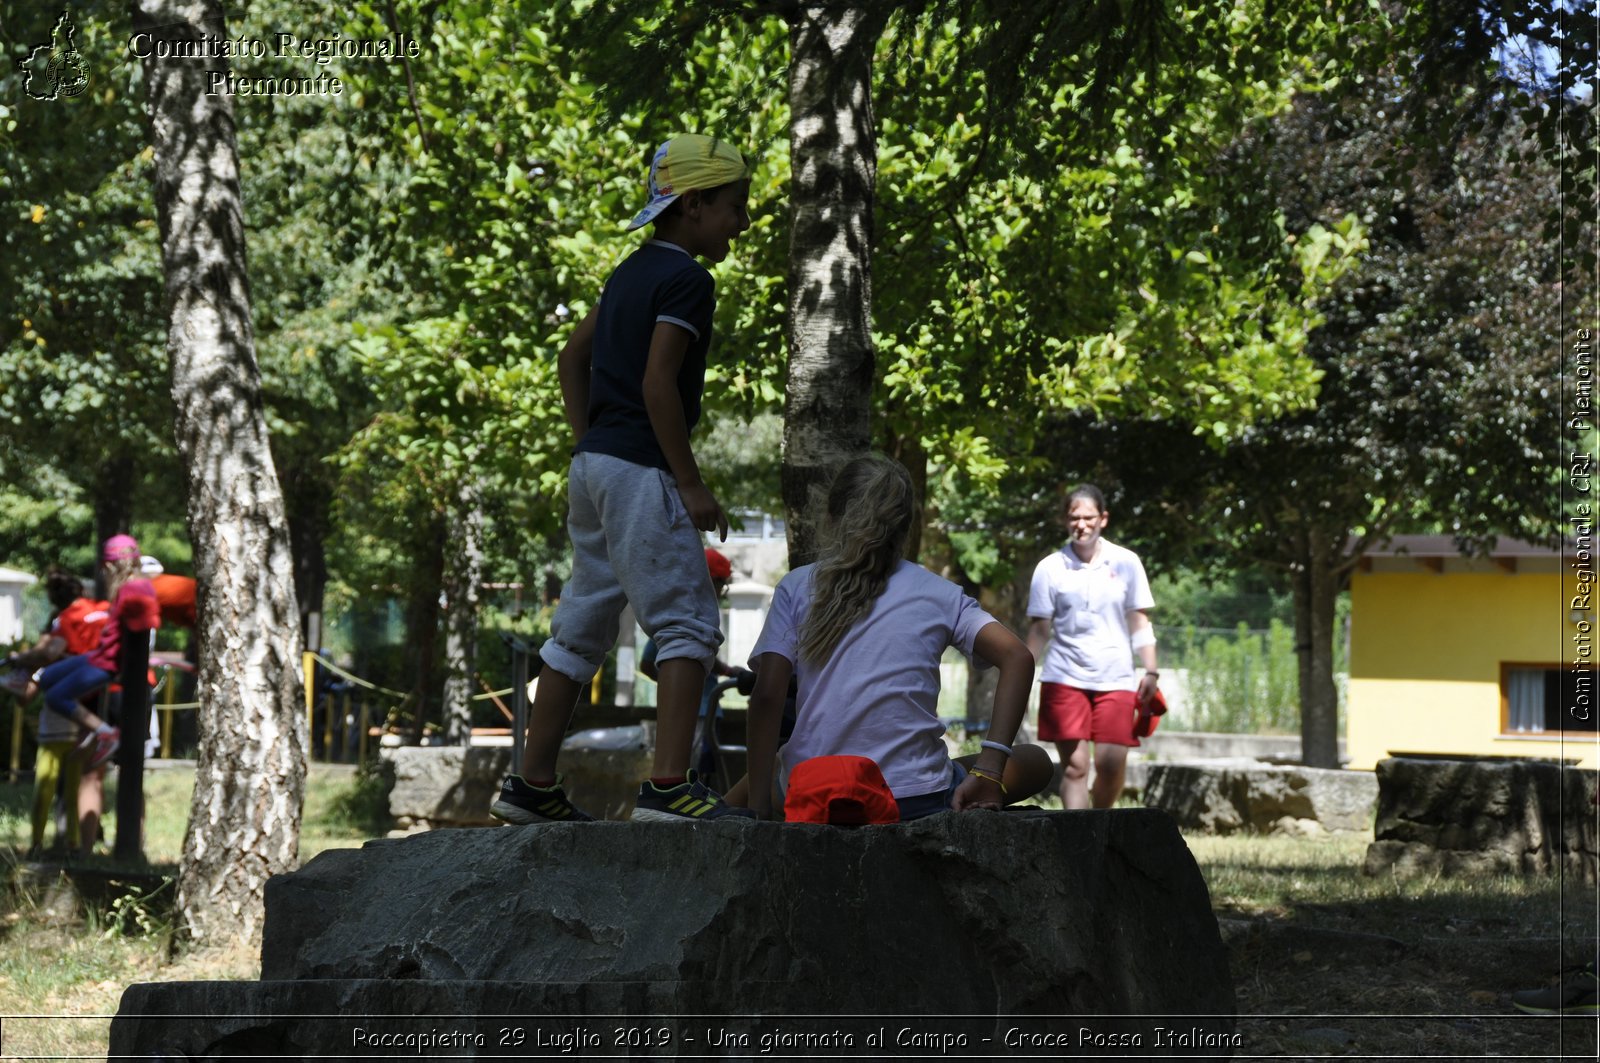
x=244, y=823
x=463, y=571
x=833, y=157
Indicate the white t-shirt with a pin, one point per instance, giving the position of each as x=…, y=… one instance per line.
x=878, y=695
x=1087, y=606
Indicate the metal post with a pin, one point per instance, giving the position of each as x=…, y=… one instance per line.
x=519, y=694
x=169, y=698
x=519, y=700
x=135, y=679
x=308, y=671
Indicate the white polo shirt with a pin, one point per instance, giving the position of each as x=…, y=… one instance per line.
x=878, y=695
x=1087, y=606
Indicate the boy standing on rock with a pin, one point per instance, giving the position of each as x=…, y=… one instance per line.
x=632, y=375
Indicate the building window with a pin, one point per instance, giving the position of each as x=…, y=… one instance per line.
x=1541, y=700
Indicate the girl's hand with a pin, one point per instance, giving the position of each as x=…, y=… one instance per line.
x=1147, y=689
x=977, y=792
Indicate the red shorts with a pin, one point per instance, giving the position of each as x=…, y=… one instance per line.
x=1067, y=714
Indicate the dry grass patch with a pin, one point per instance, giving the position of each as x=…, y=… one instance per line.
x=65, y=962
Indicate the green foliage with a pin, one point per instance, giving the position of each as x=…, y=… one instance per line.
x=142, y=911
x=1436, y=371
x=1188, y=599
x=1246, y=684
x=1127, y=277
x=510, y=207
x=82, y=367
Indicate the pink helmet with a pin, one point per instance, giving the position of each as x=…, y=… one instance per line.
x=119, y=547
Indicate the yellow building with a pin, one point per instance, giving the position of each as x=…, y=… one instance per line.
x=1450, y=654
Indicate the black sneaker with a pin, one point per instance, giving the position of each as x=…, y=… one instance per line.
x=689, y=801
x=1575, y=994
x=520, y=803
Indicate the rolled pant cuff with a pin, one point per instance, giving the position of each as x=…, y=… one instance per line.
x=566, y=662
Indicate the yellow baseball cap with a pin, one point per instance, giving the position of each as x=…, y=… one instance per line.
x=685, y=163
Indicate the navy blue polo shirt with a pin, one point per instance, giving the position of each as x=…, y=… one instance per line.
x=658, y=282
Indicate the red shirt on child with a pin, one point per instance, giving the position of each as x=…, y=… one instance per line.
x=80, y=624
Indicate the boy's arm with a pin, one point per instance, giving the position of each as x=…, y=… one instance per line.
x=668, y=344
x=573, y=369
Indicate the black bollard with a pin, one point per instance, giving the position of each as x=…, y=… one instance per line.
x=135, y=680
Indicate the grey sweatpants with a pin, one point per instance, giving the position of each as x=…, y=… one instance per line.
x=632, y=544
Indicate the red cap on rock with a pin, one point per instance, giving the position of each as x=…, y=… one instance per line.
x=846, y=791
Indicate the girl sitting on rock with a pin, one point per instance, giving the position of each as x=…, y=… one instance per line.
x=864, y=629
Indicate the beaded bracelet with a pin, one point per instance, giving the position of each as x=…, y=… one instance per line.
x=999, y=746
x=982, y=774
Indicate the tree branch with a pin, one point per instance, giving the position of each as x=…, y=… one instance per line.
x=411, y=83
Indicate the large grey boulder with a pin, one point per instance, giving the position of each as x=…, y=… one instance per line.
x=1228, y=796
x=1483, y=815
x=1090, y=913
x=1082, y=932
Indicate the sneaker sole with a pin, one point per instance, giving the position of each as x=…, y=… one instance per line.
x=514, y=814
x=523, y=818
x=1580, y=1009
x=651, y=815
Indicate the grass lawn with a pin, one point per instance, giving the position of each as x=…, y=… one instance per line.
x=1326, y=961
x=71, y=965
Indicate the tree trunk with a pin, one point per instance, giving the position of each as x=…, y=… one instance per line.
x=422, y=622
x=833, y=157
x=113, y=507
x=244, y=822
x=463, y=571
x=307, y=499
x=907, y=450
x=1316, y=594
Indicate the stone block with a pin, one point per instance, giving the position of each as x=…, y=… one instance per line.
x=1078, y=913
x=1228, y=796
x=453, y=786
x=1484, y=816
x=1053, y=926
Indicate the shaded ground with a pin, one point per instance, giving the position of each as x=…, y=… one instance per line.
x=1327, y=962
